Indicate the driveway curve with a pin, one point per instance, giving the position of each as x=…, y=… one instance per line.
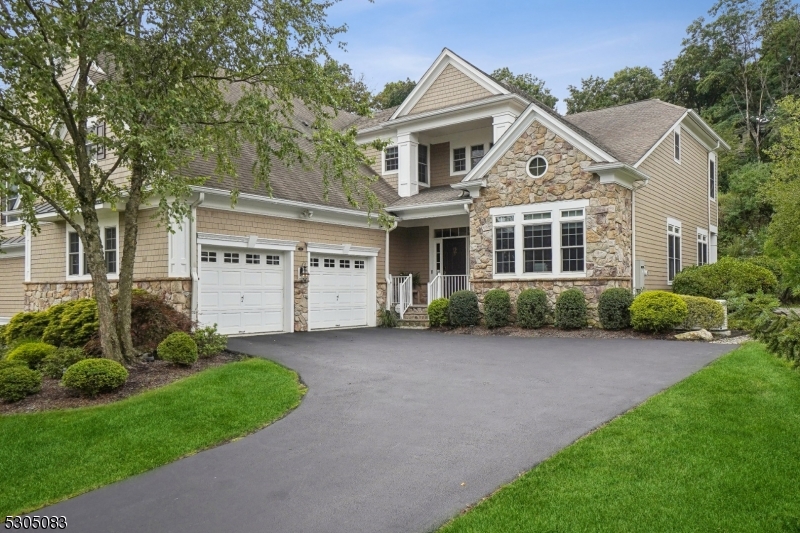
x=399, y=431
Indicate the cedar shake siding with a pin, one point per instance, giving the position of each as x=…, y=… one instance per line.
x=12, y=294
x=452, y=87
x=440, y=166
x=678, y=191
x=409, y=254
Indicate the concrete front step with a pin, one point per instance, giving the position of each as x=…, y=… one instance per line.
x=413, y=323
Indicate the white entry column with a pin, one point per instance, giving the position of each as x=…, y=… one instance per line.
x=408, y=159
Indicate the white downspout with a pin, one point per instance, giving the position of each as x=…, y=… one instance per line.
x=633, y=231
x=193, y=262
x=386, y=265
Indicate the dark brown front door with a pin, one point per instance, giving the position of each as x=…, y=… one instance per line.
x=454, y=256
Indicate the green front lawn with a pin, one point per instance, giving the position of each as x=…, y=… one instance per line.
x=46, y=457
x=719, y=452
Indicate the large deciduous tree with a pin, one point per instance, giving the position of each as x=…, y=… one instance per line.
x=393, y=94
x=628, y=85
x=527, y=83
x=172, y=81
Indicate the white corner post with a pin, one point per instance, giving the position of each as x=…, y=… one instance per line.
x=500, y=123
x=408, y=159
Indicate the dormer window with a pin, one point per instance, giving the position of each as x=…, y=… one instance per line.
x=391, y=159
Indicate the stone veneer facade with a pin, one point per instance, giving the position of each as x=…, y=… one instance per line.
x=608, y=217
x=40, y=296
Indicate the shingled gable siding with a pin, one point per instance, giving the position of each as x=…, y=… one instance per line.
x=608, y=217
x=12, y=293
x=303, y=231
x=675, y=190
x=452, y=87
x=409, y=253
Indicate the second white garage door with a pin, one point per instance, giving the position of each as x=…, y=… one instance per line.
x=242, y=291
x=337, y=292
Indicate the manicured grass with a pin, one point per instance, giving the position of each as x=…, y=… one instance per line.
x=46, y=457
x=719, y=452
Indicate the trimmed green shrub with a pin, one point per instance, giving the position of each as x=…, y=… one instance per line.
x=26, y=326
x=614, y=308
x=8, y=363
x=51, y=334
x=438, y=312
x=781, y=334
x=744, y=310
x=658, y=311
x=767, y=262
x=209, y=342
x=17, y=382
x=32, y=353
x=464, y=309
x=496, y=308
x=571, y=312
x=55, y=364
x=533, y=308
x=93, y=376
x=727, y=274
x=178, y=348
x=704, y=313
x=76, y=323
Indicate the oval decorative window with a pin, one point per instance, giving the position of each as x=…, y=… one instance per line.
x=537, y=166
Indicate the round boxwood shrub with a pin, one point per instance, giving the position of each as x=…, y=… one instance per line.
x=17, y=382
x=464, y=309
x=93, y=376
x=614, y=308
x=8, y=363
x=178, y=348
x=32, y=353
x=658, y=311
x=704, y=313
x=438, y=312
x=54, y=365
x=727, y=274
x=26, y=326
x=571, y=312
x=533, y=308
x=496, y=308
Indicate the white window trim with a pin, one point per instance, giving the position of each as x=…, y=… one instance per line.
x=81, y=254
x=528, y=164
x=519, y=212
x=701, y=232
x=385, y=172
x=427, y=182
x=677, y=139
x=453, y=157
x=677, y=223
x=713, y=192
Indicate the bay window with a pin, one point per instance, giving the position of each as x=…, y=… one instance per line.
x=548, y=237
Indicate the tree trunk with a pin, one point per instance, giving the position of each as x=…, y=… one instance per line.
x=128, y=257
x=95, y=260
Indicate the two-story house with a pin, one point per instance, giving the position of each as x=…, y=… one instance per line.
x=489, y=188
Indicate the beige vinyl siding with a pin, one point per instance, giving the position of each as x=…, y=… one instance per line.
x=452, y=87
x=440, y=166
x=152, y=248
x=12, y=292
x=678, y=191
x=241, y=224
x=409, y=252
x=49, y=253
x=377, y=160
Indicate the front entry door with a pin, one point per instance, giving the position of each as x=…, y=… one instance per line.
x=454, y=256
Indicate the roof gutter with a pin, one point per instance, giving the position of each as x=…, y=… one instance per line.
x=621, y=174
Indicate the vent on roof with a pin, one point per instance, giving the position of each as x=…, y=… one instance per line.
x=305, y=124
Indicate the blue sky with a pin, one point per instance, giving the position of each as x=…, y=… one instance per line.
x=560, y=42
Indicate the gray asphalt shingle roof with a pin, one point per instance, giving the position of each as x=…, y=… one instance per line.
x=428, y=196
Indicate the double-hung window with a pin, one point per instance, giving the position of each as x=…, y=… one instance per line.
x=702, y=246
x=460, y=160
x=422, y=166
x=712, y=178
x=673, y=249
x=77, y=264
x=476, y=154
x=97, y=149
x=541, y=240
x=391, y=159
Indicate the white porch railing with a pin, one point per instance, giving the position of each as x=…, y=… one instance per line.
x=443, y=286
x=401, y=293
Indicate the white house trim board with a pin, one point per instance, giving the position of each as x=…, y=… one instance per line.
x=342, y=249
x=14, y=250
x=28, y=239
x=446, y=57
x=420, y=212
x=179, y=249
x=239, y=241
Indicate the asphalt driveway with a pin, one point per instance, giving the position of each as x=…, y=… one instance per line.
x=399, y=431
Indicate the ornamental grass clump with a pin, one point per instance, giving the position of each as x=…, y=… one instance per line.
x=658, y=311
x=533, y=309
x=17, y=382
x=178, y=348
x=496, y=308
x=613, y=308
x=438, y=312
x=571, y=311
x=93, y=376
x=464, y=309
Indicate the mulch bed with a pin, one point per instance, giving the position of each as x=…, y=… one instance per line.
x=142, y=376
x=549, y=331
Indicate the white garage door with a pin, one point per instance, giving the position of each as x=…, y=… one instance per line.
x=337, y=292
x=242, y=291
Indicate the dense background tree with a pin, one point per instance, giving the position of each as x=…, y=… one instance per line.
x=628, y=85
x=393, y=94
x=158, y=74
x=528, y=84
